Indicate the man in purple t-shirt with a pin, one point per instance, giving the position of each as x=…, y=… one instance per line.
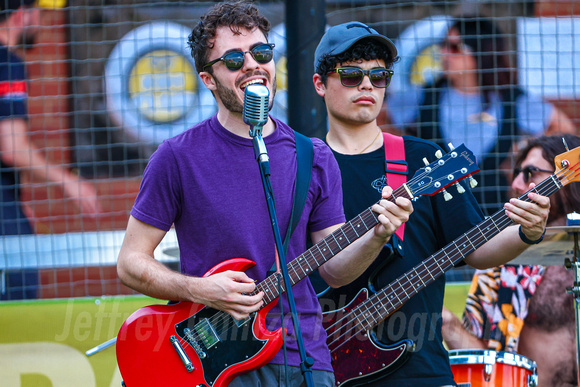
x=207, y=183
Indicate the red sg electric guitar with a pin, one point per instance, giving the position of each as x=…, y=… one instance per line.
x=187, y=344
x=358, y=356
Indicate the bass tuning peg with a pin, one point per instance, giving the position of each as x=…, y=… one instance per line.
x=446, y=195
x=472, y=182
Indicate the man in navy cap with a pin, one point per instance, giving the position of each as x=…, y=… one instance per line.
x=19, y=25
x=352, y=70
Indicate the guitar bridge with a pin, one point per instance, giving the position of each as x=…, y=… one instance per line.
x=182, y=355
x=193, y=341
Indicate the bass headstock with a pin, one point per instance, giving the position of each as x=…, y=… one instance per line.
x=568, y=166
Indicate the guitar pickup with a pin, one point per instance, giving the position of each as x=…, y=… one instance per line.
x=206, y=333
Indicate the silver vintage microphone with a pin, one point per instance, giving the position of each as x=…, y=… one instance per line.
x=255, y=113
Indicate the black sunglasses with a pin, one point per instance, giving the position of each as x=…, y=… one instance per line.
x=528, y=172
x=234, y=60
x=353, y=76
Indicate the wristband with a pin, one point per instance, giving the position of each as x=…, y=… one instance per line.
x=525, y=239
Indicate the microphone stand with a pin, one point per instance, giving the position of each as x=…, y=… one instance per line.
x=264, y=162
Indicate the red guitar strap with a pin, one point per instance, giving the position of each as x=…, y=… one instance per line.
x=395, y=166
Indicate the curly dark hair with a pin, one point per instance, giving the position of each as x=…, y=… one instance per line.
x=236, y=15
x=366, y=49
x=567, y=199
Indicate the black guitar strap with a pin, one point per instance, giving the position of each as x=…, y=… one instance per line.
x=304, y=157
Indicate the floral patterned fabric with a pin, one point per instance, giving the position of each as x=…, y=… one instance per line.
x=497, y=304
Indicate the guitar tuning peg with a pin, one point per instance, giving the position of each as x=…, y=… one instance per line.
x=438, y=154
x=425, y=161
x=460, y=188
x=446, y=195
x=565, y=144
x=472, y=182
x=450, y=145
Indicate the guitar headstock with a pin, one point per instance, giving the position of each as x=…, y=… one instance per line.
x=568, y=166
x=447, y=170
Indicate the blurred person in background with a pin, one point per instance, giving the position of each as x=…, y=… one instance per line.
x=19, y=26
x=525, y=309
x=478, y=103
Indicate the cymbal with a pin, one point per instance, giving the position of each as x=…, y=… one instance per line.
x=558, y=244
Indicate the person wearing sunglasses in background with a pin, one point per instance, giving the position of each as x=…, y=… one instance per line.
x=206, y=181
x=477, y=102
x=525, y=309
x=352, y=71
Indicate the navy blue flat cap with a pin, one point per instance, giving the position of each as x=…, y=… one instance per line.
x=340, y=38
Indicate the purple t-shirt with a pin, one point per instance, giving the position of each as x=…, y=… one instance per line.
x=207, y=182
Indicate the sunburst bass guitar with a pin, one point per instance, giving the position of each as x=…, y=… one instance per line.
x=358, y=357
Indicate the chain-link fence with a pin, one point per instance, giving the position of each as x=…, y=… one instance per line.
x=107, y=81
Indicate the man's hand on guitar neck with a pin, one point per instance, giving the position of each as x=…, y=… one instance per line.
x=531, y=216
x=230, y=292
x=391, y=215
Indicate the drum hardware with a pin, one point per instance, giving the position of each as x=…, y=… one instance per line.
x=100, y=347
x=558, y=245
x=575, y=291
x=488, y=368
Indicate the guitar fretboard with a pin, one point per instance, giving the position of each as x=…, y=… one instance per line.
x=446, y=170
x=331, y=245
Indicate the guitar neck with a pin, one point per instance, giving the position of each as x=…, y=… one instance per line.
x=392, y=297
x=446, y=170
x=331, y=245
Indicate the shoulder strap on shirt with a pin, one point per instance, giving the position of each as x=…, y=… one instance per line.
x=395, y=166
x=304, y=157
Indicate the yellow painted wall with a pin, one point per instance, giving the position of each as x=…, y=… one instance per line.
x=455, y=296
x=43, y=343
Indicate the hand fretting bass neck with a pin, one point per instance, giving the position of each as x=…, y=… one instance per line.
x=358, y=361
x=188, y=344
